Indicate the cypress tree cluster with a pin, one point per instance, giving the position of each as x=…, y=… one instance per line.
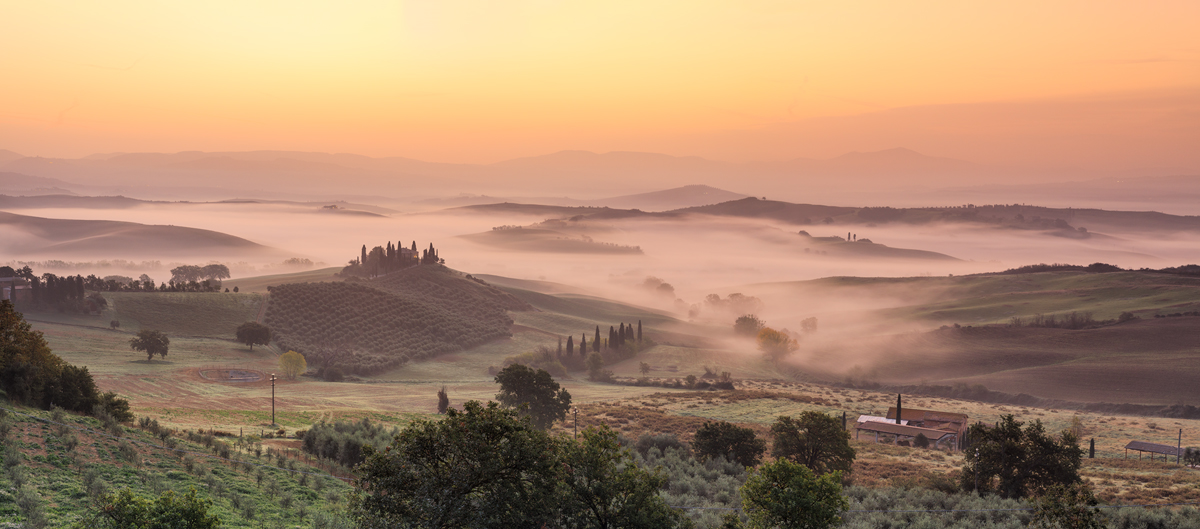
x=384, y=259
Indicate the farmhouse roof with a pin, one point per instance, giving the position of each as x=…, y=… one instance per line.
x=910, y=414
x=1142, y=446
x=876, y=418
x=896, y=429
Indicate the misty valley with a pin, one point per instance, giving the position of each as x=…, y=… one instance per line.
x=704, y=333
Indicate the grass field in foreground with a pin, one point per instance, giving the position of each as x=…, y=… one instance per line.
x=64, y=480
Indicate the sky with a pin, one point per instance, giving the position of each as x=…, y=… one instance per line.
x=483, y=81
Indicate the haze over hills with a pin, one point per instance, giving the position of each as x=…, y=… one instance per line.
x=667, y=199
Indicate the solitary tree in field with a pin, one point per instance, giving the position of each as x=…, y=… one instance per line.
x=645, y=368
x=535, y=393
x=726, y=439
x=150, y=342
x=252, y=332
x=747, y=325
x=443, y=400
x=814, y=440
x=292, y=364
x=775, y=345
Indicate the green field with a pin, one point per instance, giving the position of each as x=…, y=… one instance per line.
x=207, y=314
x=986, y=299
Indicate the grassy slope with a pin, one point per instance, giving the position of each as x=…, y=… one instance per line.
x=259, y=284
x=207, y=314
x=57, y=474
x=982, y=299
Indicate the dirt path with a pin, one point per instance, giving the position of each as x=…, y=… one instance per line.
x=262, y=309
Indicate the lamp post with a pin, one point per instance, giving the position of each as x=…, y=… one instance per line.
x=272, y=399
x=576, y=422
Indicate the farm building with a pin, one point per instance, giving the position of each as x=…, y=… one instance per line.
x=1167, y=451
x=942, y=422
x=937, y=438
x=15, y=289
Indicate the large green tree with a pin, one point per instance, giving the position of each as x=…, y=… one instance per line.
x=485, y=466
x=728, y=440
x=534, y=393
x=1017, y=462
x=605, y=489
x=814, y=440
x=30, y=373
x=28, y=368
x=150, y=342
x=253, y=333
x=785, y=495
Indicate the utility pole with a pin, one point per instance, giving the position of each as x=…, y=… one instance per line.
x=272, y=399
x=1179, y=446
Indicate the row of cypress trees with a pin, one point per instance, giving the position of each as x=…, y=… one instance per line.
x=618, y=337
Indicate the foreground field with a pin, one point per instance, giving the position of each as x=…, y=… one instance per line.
x=1151, y=357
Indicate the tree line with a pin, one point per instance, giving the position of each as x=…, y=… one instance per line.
x=31, y=374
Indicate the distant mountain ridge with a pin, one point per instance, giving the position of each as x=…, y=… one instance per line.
x=1064, y=221
x=564, y=171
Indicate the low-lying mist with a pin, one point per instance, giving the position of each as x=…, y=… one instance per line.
x=697, y=256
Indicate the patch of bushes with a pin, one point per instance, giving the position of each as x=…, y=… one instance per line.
x=344, y=441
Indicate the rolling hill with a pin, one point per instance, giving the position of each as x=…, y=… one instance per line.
x=547, y=241
x=412, y=314
x=43, y=237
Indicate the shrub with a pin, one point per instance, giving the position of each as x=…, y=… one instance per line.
x=344, y=441
x=662, y=442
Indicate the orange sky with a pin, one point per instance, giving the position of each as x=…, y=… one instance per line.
x=477, y=81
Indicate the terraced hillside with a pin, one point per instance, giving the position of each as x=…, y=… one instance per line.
x=411, y=314
x=451, y=290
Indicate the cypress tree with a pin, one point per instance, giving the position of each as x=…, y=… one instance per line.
x=363, y=261
x=559, y=346
x=639, y=338
x=570, y=346
x=583, y=344
x=612, y=336
x=596, y=340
